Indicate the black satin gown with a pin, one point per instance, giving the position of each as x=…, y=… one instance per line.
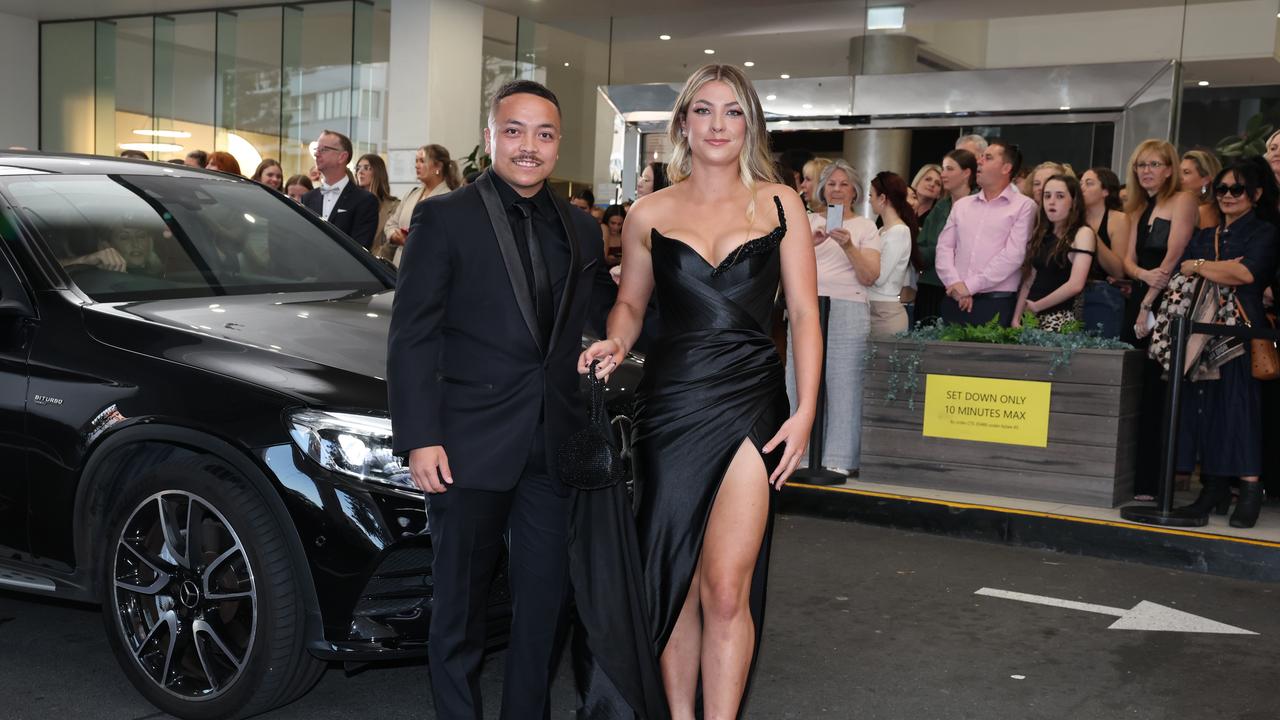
x=712, y=380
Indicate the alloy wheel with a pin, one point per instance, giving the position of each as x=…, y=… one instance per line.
x=185, y=598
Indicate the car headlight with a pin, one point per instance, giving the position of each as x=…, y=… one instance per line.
x=358, y=446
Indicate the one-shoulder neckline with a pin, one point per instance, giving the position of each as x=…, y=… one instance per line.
x=737, y=250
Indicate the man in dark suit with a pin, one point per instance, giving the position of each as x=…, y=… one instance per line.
x=482, y=362
x=338, y=200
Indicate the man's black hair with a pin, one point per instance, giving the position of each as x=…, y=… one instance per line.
x=525, y=87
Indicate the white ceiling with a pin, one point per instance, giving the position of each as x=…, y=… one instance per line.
x=801, y=38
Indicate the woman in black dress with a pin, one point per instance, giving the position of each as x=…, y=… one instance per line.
x=1059, y=257
x=1220, y=424
x=1161, y=222
x=712, y=428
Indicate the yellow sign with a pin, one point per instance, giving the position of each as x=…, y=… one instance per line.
x=1012, y=412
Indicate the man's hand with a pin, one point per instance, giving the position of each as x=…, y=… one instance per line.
x=958, y=291
x=429, y=468
x=107, y=259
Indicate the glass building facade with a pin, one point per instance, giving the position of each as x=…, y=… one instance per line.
x=263, y=81
x=256, y=82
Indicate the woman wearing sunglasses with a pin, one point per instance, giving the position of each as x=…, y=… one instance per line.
x=1220, y=424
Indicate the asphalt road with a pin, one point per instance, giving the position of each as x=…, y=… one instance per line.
x=862, y=622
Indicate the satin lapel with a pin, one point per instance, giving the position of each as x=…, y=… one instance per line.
x=571, y=279
x=510, y=255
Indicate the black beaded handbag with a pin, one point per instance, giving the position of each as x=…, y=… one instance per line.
x=592, y=458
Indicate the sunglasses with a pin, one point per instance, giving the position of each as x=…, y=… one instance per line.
x=1234, y=190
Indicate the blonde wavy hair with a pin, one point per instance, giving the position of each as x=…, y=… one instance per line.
x=1168, y=155
x=1208, y=166
x=755, y=163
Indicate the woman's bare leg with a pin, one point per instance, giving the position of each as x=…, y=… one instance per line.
x=730, y=551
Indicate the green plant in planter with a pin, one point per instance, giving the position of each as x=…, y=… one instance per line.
x=903, y=368
x=1253, y=141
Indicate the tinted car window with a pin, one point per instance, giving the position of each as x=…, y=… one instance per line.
x=182, y=237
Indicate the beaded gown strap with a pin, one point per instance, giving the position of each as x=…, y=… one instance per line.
x=759, y=246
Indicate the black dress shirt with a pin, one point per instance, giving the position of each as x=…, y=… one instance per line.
x=549, y=231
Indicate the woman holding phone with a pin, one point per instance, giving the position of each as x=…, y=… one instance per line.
x=847, y=247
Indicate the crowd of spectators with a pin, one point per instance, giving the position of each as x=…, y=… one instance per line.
x=974, y=237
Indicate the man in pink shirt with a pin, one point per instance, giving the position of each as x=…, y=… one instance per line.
x=981, y=248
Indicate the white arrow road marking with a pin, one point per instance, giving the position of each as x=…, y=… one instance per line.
x=1143, y=616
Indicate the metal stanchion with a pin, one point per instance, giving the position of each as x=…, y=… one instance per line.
x=1164, y=513
x=815, y=474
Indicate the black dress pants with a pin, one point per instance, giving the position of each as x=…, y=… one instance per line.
x=467, y=535
x=985, y=307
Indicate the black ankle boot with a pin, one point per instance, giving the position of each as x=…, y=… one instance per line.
x=1225, y=503
x=1214, y=491
x=1246, y=514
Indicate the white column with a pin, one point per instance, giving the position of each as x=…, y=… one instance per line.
x=433, y=84
x=19, y=82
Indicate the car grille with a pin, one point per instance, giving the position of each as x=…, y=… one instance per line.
x=402, y=586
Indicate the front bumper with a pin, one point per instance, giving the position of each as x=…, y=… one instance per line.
x=369, y=553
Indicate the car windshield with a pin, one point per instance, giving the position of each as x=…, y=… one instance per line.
x=144, y=237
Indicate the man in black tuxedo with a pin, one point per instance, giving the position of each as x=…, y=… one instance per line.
x=338, y=200
x=482, y=362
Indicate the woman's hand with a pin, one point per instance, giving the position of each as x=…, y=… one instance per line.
x=1156, y=278
x=1141, y=328
x=842, y=237
x=398, y=237
x=610, y=353
x=1033, y=306
x=1017, y=322
x=819, y=237
x=795, y=433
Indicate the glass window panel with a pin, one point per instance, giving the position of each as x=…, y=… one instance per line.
x=317, y=69
x=248, y=76
x=185, y=87
x=67, y=87
x=129, y=124
x=370, y=55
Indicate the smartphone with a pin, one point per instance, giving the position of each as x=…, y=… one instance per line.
x=835, y=217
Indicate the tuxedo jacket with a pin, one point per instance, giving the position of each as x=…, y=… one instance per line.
x=466, y=366
x=355, y=213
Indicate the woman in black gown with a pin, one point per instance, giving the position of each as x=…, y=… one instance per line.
x=712, y=427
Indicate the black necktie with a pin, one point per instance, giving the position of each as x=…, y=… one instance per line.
x=541, y=278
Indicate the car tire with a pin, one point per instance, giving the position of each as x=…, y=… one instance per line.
x=208, y=630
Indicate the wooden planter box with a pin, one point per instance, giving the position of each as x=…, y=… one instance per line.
x=1092, y=438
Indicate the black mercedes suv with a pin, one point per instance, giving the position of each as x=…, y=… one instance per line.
x=195, y=434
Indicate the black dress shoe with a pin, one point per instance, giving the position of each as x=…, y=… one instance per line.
x=1250, y=505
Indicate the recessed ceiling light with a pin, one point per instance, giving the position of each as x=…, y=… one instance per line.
x=664, y=37
x=566, y=64
x=1065, y=107
x=770, y=97
x=785, y=76
x=1203, y=83
x=748, y=64
x=163, y=133
x=807, y=106
x=784, y=122
x=709, y=51
x=151, y=147
x=886, y=18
